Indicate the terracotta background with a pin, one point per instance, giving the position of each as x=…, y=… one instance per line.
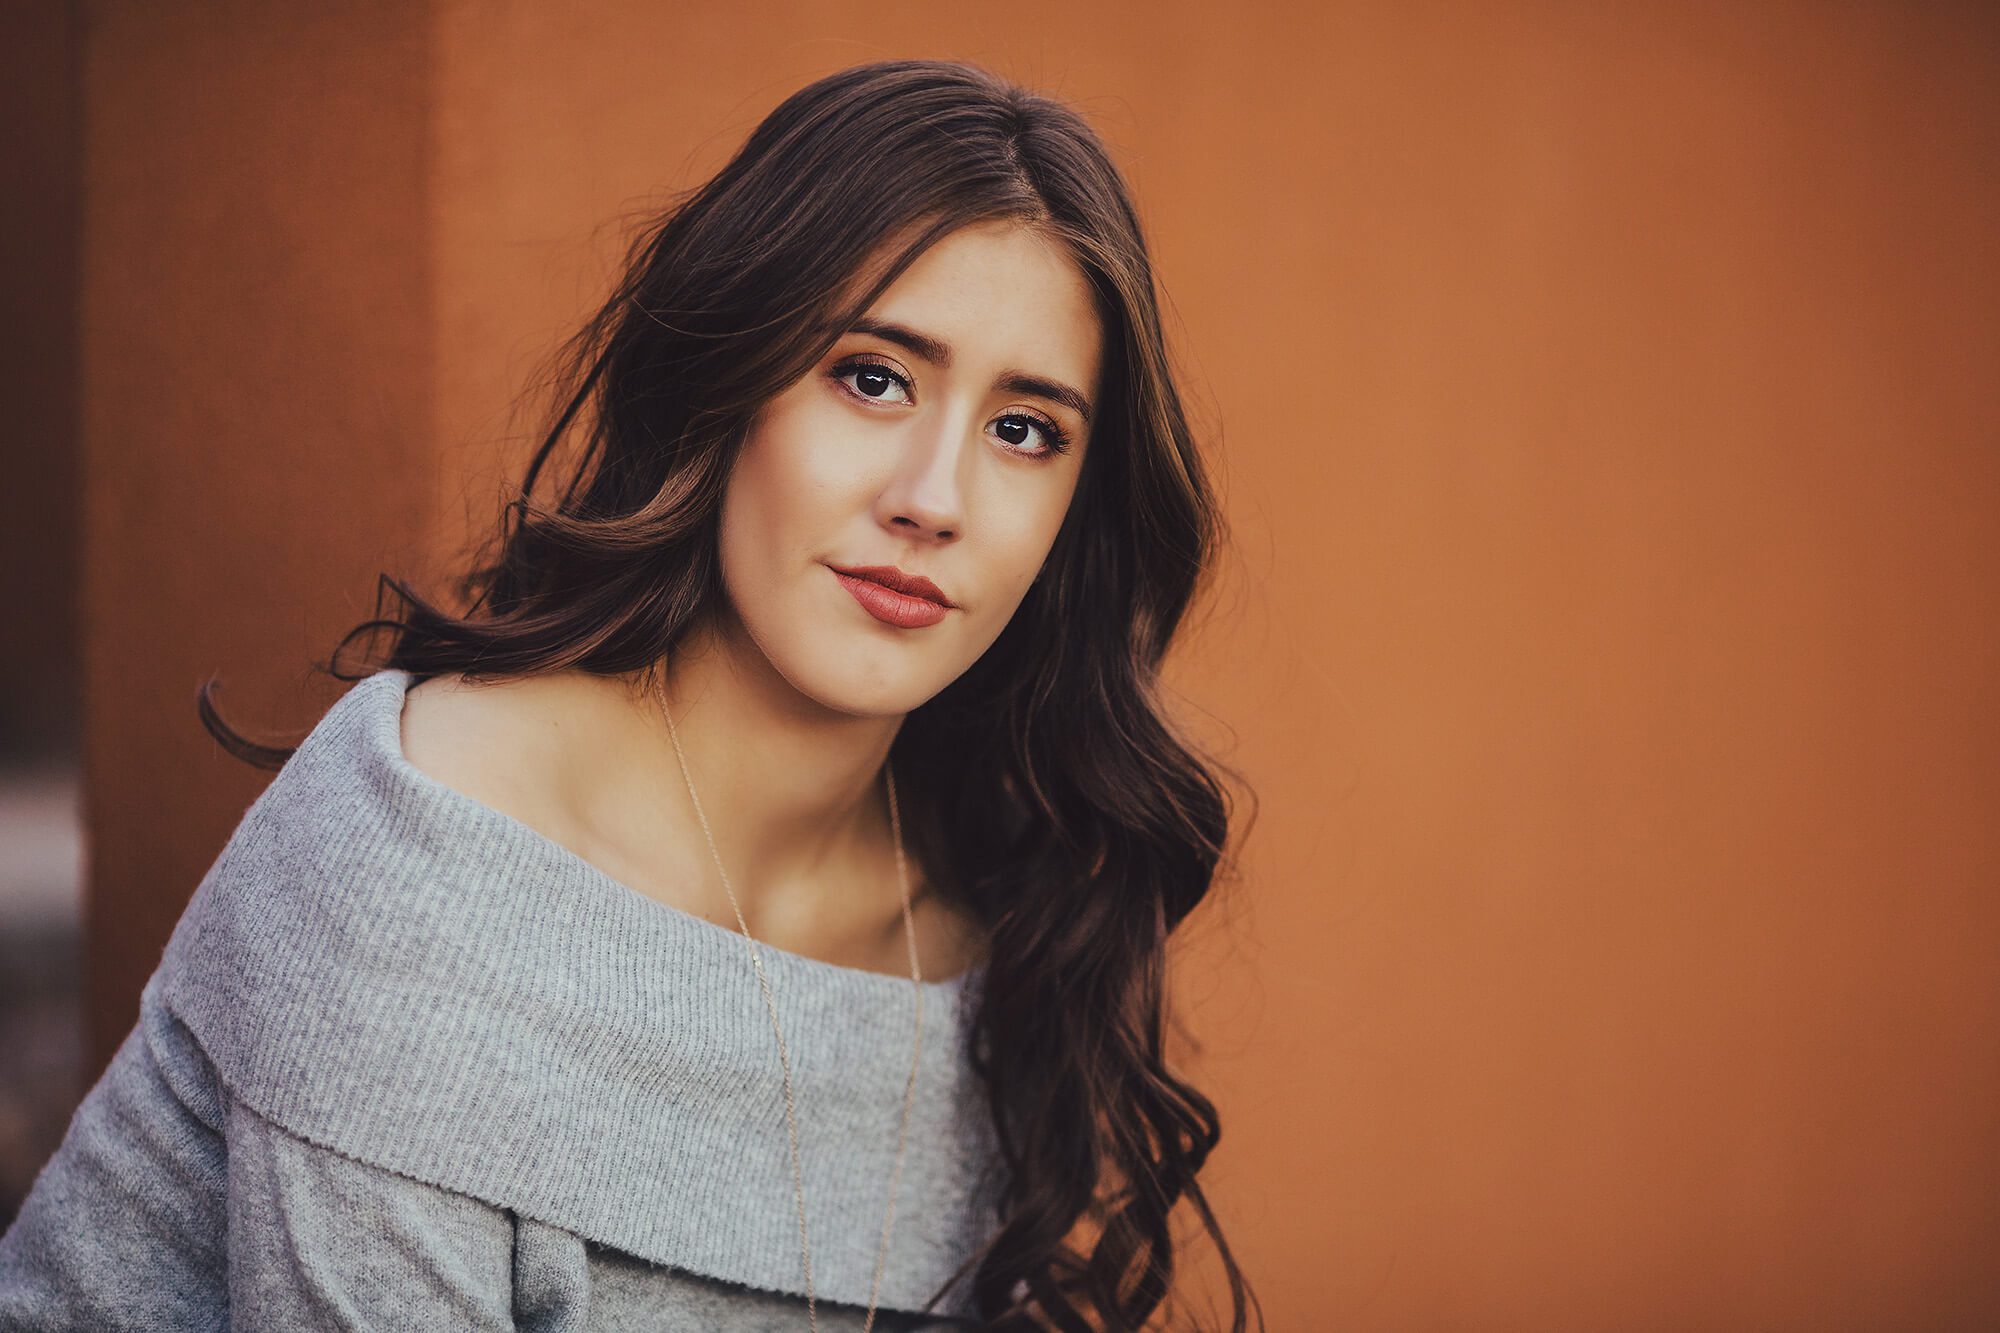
x=1604, y=398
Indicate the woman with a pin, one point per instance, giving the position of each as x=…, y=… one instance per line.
x=554, y=981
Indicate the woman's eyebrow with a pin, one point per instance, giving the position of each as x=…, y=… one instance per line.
x=938, y=352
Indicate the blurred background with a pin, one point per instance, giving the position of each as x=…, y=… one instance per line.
x=1604, y=400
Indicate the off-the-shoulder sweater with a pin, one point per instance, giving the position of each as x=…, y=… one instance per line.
x=406, y=1062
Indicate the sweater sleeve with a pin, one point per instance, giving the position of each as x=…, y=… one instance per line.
x=123, y=1227
x=171, y=1204
x=318, y=1240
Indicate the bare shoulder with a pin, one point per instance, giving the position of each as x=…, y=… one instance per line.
x=495, y=741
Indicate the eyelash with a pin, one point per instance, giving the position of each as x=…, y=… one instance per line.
x=1058, y=438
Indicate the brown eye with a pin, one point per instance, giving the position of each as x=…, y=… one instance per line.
x=873, y=381
x=1057, y=439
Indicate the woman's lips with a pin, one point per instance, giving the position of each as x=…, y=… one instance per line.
x=892, y=607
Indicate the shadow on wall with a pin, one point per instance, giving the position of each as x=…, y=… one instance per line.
x=41, y=991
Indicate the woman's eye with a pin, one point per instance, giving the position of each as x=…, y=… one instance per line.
x=1054, y=441
x=872, y=381
x=879, y=384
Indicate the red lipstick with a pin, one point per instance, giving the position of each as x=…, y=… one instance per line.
x=907, y=601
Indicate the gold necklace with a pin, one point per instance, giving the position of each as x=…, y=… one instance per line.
x=784, y=1059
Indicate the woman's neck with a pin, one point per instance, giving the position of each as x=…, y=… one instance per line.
x=793, y=794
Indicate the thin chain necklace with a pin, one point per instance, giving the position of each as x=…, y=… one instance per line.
x=784, y=1059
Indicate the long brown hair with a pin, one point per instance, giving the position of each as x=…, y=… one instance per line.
x=1089, y=829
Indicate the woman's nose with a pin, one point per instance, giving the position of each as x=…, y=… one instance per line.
x=928, y=489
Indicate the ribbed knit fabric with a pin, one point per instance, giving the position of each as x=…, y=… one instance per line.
x=400, y=1037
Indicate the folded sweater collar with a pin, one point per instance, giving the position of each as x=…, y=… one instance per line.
x=394, y=970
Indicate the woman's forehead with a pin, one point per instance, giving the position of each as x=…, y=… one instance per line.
x=994, y=296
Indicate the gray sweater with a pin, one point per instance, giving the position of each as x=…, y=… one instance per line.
x=407, y=1063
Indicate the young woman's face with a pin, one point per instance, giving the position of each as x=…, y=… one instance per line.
x=943, y=436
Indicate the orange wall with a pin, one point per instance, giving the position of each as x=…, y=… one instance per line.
x=256, y=310
x=1605, y=406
